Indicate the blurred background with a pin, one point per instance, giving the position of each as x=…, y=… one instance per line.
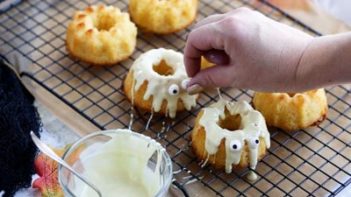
x=325, y=16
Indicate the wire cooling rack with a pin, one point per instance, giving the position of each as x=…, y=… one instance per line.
x=312, y=162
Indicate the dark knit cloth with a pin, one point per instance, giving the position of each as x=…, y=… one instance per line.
x=18, y=117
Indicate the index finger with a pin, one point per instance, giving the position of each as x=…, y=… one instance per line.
x=209, y=19
x=199, y=41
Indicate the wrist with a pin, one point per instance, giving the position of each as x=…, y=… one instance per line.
x=321, y=62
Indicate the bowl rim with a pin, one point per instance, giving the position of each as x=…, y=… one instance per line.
x=164, y=153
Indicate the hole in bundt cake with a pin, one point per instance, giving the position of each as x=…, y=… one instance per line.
x=291, y=94
x=163, y=69
x=230, y=122
x=105, y=22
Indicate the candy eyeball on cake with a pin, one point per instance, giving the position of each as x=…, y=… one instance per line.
x=173, y=90
x=254, y=142
x=235, y=145
x=157, y=82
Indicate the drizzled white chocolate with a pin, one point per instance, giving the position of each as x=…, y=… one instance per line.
x=252, y=127
x=163, y=87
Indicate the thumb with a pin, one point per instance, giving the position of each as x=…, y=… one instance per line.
x=217, y=76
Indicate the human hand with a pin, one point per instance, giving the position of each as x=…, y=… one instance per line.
x=249, y=51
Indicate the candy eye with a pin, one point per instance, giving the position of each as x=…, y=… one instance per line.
x=185, y=83
x=254, y=142
x=173, y=90
x=235, y=145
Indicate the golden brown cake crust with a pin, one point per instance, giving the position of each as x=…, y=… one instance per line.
x=292, y=112
x=166, y=17
x=101, y=35
x=198, y=137
x=83, y=59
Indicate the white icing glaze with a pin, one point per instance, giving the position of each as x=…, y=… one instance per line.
x=252, y=127
x=251, y=176
x=205, y=162
x=149, y=121
x=219, y=93
x=177, y=171
x=120, y=167
x=131, y=119
x=191, y=181
x=159, y=85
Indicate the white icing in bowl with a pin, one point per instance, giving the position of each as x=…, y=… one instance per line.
x=120, y=163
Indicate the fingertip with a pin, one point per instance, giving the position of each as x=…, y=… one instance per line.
x=194, y=89
x=191, y=82
x=196, y=80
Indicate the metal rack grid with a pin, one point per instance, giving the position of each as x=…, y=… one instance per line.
x=313, y=162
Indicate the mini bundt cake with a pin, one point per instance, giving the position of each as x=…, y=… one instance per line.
x=157, y=81
x=163, y=16
x=292, y=111
x=205, y=63
x=230, y=135
x=101, y=35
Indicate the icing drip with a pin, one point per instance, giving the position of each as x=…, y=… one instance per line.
x=165, y=128
x=187, y=177
x=131, y=118
x=219, y=94
x=205, y=162
x=163, y=87
x=149, y=121
x=191, y=181
x=251, y=176
x=177, y=171
x=252, y=127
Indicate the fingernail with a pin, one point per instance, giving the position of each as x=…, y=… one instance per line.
x=194, y=89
